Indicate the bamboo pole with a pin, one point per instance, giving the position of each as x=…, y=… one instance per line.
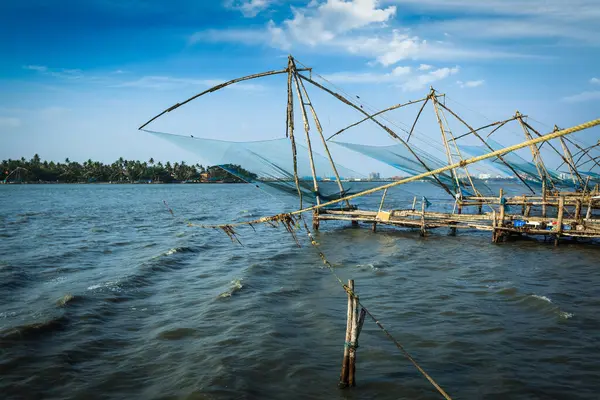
x=290, y=128
x=383, y=199
x=320, y=130
x=423, y=232
x=494, y=227
x=569, y=159
x=537, y=157
x=353, y=343
x=549, y=136
x=471, y=130
x=561, y=205
x=412, y=128
x=583, y=151
x=502, y=207
x=446, y=147
x=474, y=132
x=345, y=362
x=497, y=128
x=307, y=131
x=578, y=209
x=388, y=130
x=458, y=153
x=571, y=166
x=215, y=88
x=375, y=115
x=414, y=203
x=544, y=198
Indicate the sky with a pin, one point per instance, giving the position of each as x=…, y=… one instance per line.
x=77, y=78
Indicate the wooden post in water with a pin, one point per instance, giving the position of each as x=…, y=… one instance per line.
x=414, y=203
x=494, y=225
x=502, y=210
x=578, y=210
x=423, y=232
x=348, y=338
x=500, y=223
x=561, y=205
x=353, y=343
x=544, y=198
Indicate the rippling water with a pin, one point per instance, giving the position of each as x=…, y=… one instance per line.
x=103, y=294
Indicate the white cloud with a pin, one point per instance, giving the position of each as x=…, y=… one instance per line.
x=324, y=22
x=403, y=77
x=9, y=122
x=397, y=74
x=425, y=67
x=250, y=8
x=470, y=84
x=577, y=9
x=365, y=28
x=550, y=20
x=63, y=73
x=421, y=81
x=39, y=68
x=171, y=83
x=595, y=81
x=504, y=27
x=584, y=96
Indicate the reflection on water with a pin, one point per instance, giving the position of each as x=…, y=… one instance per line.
x=103, y=294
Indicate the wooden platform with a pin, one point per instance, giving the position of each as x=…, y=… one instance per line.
x=567, y=220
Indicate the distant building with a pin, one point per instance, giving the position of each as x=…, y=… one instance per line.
x=374, y=176
x=485, y=176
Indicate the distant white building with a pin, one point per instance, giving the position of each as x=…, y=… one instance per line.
x=485, y=176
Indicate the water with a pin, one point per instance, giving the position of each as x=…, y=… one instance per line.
x=105, y=295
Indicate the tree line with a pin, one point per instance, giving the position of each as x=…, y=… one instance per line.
x=121, y=171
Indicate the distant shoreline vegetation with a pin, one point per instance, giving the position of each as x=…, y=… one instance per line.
x=121, y=171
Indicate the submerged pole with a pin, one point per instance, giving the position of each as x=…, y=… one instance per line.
x=561, y=205
x=346, y=360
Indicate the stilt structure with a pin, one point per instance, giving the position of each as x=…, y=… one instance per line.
x=473, y=209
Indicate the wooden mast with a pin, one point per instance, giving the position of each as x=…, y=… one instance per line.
x=449, y=131
x=320, y=130
x=388, y=130
x=446, y=146
x=306, y=129
x=474, y=132
x=290, y=126
x=535, y=152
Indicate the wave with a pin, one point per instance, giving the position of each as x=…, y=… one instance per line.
x=175, y=250
x=543, y=298
x=32, y=331
x=68, y=299
x=236, y=286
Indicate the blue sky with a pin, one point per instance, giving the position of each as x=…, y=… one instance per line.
x=78, y=77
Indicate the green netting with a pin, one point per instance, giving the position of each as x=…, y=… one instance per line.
x=269, y=165
x=401, y=158
x=527, y=170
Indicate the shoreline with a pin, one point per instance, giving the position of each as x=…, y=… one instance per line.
x=119, y=183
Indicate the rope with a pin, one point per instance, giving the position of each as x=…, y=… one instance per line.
x=387, y=333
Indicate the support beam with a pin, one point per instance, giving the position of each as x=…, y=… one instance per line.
x=388, y=130
x=214, y=89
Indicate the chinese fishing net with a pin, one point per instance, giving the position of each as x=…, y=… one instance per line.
x=268, y=164
x=416, y=162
